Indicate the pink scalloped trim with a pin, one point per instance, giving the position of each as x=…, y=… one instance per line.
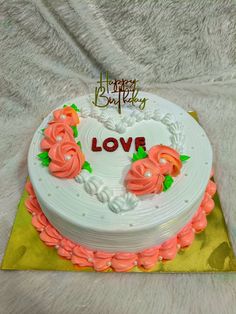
x=119, y=262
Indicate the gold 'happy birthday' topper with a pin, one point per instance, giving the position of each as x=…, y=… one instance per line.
x=124, y=91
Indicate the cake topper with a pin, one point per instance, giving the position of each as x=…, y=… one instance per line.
x=117, y=92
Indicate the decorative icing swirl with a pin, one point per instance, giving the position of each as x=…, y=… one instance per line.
x=167, y=158
x=67, y=160
x=104, y=116
x=110, y=124
x=156, y=115
x=121, y=204
x=148, y=114
x=65, y=115
x=138, y=115
x=104, y=194
x=85, y=112
x=128, y=120
x=120, y=127
x=168, y=119
x=55, y=133
x=95, y=112
x=92, y=185
x=144, y=177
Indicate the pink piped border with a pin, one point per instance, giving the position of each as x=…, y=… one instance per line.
x=119, y=262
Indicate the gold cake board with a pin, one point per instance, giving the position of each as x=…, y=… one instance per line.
x=211, y=250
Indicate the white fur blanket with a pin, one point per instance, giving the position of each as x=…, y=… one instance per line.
x=54, y=50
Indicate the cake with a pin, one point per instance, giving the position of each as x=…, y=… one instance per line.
x=115, y=190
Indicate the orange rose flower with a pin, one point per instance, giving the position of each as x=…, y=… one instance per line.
x=67, y=159
x=167, y=158
x=144, y=177
x=55, y=133
x=66, y=115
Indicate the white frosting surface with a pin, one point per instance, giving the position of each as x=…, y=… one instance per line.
x=95, y=209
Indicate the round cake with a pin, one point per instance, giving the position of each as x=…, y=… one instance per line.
x=101, y=202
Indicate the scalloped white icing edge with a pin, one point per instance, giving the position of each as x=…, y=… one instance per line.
x=94, y=185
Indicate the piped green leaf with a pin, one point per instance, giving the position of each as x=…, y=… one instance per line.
x=72, y=106
x=79, y=143
x=42, y=130
x=75, y=108
x=167, y=182
x=45, y=159
x=45, y=162
x=184, y=157
x=43, y=155
x=75, y=131
x=141, y=154
x=86, y=166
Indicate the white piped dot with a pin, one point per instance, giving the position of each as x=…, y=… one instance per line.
x=160, y=258
x=42, y=229
x=90, y=259
x=178, y=246
x=58, y=138
x=108, y=264
x=56, y=246
x=62, y=116
x=135, y=263
x=148, y=174
x=193, y=230
x=162, y=161
x=67, y=157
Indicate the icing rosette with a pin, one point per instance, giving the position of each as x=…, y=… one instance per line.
x=167, y=158
x=67, y=160
x=199, y=221
x=50, y=236
x=186, y=236
x=82, y=256
x=169, y=249
x=40, y=221
x=102, y=260
x=148, y=258
x=33, y=205
x=65, y=248
x=122, y=262
x=144, y=177
x=55, y=133
x=65, y=115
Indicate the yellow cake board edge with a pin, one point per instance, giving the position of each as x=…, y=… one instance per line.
x=211, y=250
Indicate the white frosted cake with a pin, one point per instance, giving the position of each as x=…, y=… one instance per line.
x=116, y=191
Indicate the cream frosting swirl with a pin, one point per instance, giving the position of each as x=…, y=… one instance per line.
x=67, y=160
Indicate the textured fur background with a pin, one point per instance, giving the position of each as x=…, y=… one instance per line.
x=54, y=50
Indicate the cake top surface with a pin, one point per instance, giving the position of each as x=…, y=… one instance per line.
x=82, y=200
